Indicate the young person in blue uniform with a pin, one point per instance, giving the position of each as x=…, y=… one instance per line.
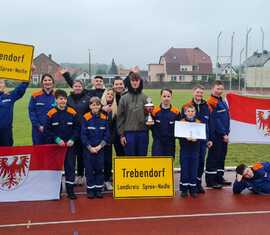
x=189, y=157
x=7, y=101
x=203, y=114
x=220, y=129
x=255, y=178
x=164, y=117
x=63, y=128
x=40, y=103
x=95, y=135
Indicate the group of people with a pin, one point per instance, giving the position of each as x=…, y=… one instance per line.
x=90, y=121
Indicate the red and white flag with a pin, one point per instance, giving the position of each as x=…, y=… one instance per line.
x=250, y=119
x=29, y=173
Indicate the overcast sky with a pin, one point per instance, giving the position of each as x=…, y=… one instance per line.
x=134, y=32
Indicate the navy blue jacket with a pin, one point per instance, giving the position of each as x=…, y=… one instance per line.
x=95, y=130
x=163, y=129
x=220, y=117
x=189, y=147
x=39, y=105
x=260, y=183
x=7, y=101
x=63, y=124
x=202, y=113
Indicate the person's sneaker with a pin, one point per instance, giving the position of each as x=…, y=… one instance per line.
x=91, y=194
x=184, y=194
x=79, y=181
x=200, y=189
x=108, y=186
x=99, y=194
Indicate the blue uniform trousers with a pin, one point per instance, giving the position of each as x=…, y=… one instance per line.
x=137, y=143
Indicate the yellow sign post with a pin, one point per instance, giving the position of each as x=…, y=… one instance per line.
x=145, y=177
x=15, y=61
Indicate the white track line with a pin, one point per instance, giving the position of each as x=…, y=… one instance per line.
x=113, y=219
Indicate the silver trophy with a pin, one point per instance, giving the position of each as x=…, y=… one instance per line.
x=149, y=106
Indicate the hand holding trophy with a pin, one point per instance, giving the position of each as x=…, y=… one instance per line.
x=149, y=106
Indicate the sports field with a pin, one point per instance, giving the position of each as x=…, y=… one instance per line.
x=237, y=153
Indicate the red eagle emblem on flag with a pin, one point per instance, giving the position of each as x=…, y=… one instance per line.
x=13, y=171
x=263, y=121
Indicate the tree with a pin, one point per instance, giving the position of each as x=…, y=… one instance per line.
x=113, y=69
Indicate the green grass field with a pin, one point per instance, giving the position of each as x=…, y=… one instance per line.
x=238, y=153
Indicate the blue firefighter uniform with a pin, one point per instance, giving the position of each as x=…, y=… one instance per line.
x=94, y=131
x=7, y=101
x=189, y=160
x=163, y=131
x=39, y=105
x=259, y=183
x=64, y=125
x=220, y=126
x=203, y=114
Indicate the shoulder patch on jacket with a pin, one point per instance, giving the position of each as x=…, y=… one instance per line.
x=212, y=102
x=175, y=110
x=103, y=116
x=87, y=116
x=257, y=166
x=52, y=112
x=71, y=111
x=37, y=93
x=156, y=110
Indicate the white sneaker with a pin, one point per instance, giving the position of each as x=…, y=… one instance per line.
x=79, y=180
x=108, y=186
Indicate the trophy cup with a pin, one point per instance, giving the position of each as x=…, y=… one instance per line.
x=149, y=106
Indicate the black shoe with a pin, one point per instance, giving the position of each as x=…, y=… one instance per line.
x=72, y=196
x=70, y=191
x=226, y=183
x=91, y=194
x=217, y=186
x=99, y=194
x=200, y=189
x=193, y=194
x=184, y=194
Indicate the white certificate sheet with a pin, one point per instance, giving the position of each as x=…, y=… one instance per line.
x=190, y=130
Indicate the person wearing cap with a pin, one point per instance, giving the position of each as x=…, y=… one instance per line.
x=40, y=103
x=131, y=118
x=62, y=128
x=97, y=82
x=95, y=135
x=7, y=101
x=255, y=178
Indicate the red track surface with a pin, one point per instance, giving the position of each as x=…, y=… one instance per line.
x=153, y=216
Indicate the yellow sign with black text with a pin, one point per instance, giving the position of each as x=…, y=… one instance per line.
x=136, y=177
x=15, y=61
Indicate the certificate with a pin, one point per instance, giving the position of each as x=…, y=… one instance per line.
x=191, y=130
